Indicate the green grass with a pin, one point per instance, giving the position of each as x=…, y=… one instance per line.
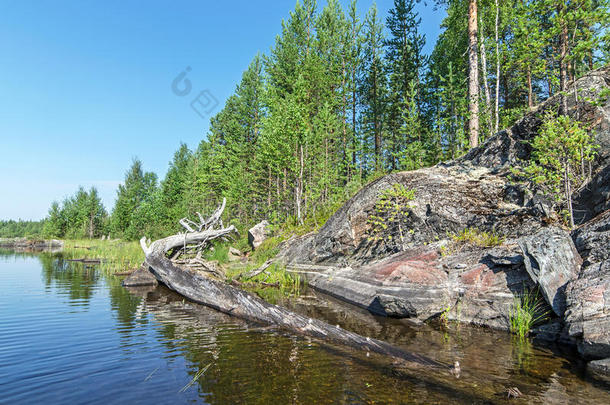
x=476, y=237
x=267, y=250
x=219, y=254
x=115, y=256
x=471, y=237
x=527, y=310
x=271, y=285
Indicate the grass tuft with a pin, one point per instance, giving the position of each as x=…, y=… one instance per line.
x=527, y=310
x=115, y=255
x=471, y=237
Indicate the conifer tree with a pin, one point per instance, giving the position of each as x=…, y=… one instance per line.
x=373, y=86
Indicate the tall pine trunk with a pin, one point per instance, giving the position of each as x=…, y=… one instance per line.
x=568, y=193
x=563, y=53
x=473, y=76
x=376, y=125
x=497, y=109
x=530, y=92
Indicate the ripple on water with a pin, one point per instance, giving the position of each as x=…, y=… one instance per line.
x=73, y=335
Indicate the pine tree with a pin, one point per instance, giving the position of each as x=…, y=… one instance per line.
x=137, y=187
x=373, y=87
x=405, y=62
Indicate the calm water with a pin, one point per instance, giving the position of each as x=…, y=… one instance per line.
x=70, y=334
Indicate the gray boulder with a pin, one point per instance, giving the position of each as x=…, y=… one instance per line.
x=234, y=254
x=593, y=199
x=551, y=260
x=140, y=277
x=588, y=297
x=258, y=233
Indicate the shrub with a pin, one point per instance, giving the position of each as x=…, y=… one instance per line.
x=561, y=157
x=476, y=237
x=390, y=212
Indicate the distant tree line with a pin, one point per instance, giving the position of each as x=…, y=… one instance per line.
x=20, y=228
x=339, y=100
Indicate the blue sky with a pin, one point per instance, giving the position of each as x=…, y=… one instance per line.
x=86, y=86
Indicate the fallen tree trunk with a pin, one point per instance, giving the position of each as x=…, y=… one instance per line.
x=233, y=301
x=242, y=304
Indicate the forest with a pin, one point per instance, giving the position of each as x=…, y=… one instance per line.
x=345, y=96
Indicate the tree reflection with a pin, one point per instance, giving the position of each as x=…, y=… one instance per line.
x=73, y=279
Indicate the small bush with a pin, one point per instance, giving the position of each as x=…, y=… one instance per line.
x=390, y=212
x=271, y=285
x=527, y=310
x=267, y=250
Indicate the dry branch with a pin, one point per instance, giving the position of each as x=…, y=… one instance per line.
x=258, y=270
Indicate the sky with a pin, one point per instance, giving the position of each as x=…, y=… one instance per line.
x=86, y=86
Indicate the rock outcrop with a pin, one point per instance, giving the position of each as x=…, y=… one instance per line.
x=418, y=273
x=474, y=285
x=139, y=278
x=510, y=146
x=600, y=369
x=588, y=297
x=31, y=244
x=446, y=200
x=552, y=261
x=594, y=198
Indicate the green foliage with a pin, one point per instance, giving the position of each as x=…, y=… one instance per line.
x=21, y=229
x=132, y=205
x=561, y=156
x=602, y=97
x=79, y=216
x=272, y=285
x=527, y=311
x=219, y=253
x=476, y=237
x=390, y=213
x=115, y=256
x=444, y=317
x=267, y=250
x=470, y=237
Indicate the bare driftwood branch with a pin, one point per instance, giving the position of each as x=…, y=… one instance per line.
x=258, y=270
x=166, y=244
x=194, y=240
x=186, y=223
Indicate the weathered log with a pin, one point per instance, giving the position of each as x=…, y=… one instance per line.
x=242, y=304
x=86, y=261
x=205, y=233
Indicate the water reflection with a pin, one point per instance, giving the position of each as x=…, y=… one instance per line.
x=148, y=343
x=252, y=364
x=73, y=279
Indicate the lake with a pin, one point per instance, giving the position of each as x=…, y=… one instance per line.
x=70, y=333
